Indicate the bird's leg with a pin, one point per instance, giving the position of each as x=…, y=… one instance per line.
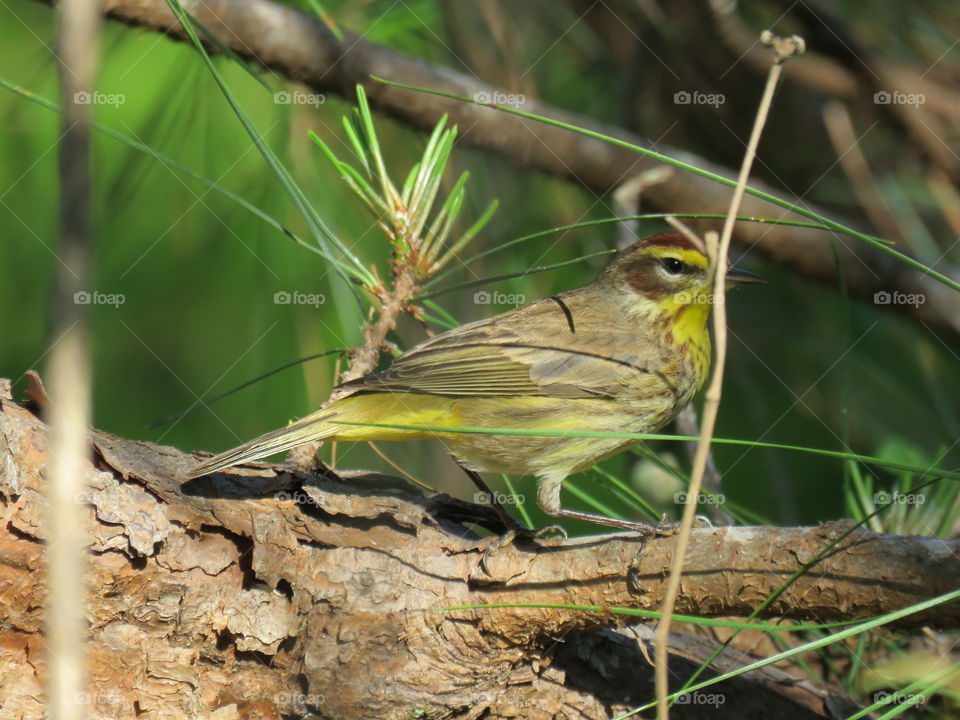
x=514, y=528
x=548, y=498
x=647, y=529
x=509, y=523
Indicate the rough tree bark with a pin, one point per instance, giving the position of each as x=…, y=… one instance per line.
x=264, y=593
x=301, y=48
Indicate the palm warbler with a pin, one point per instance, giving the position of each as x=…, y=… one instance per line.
x=625, y=353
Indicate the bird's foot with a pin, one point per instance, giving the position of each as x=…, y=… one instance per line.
x=516, y=530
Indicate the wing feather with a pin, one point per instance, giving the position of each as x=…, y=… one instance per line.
x=529, y=351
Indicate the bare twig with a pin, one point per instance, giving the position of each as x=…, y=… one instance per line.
x=784, y=48
x=69, y=370
x=688, y=233
x=393, y=303
x=626, y=201
x=686, y=421
x=687, y=424
x=931, y=124
x=383, y=456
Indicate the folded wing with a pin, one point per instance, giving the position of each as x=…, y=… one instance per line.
x=547, y=349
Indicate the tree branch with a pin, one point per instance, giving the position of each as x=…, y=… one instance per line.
x=261, y=590
x=302, y=48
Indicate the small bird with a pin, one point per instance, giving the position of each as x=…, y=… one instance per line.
x=625, y=353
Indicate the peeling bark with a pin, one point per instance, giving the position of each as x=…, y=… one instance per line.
x=265, y=593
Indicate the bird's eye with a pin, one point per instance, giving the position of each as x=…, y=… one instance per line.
x=672, y=265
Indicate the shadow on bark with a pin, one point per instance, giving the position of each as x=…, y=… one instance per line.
x=265, y=593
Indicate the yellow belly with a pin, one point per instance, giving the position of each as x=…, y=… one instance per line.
x=513, y=454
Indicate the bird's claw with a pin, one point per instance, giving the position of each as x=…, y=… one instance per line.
x=507, y=539
x=666, y=528
x=702, y=521
x=547, y=530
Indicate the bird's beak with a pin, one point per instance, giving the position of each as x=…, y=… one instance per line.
x=736, y=276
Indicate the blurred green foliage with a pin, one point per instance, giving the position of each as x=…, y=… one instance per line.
x=199, y=274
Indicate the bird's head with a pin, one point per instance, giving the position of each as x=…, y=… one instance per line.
x=669, y=272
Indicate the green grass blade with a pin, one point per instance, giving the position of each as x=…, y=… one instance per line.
x=521, y=507
x=657, y=615
x=446, y=319
x=351, y=176
x=440, y=227
x=247, y=383
x=348, y=264
x=425, y=192
x=590, y=500
x=523, y=432
x=853, y=631
x=627, y=493
x=359, y=148
x=408, y=184
x=926, y=686
x=509, y=276
x=228, y=52
x=471, y=233
x=321, y=12
x=607, y=221
x=166, y=160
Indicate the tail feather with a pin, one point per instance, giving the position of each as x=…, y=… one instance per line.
x=312, y=427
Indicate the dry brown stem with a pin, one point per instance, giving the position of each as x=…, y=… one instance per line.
x=394, y=302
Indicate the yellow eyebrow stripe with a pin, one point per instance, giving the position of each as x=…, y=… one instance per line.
x=690, y=257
